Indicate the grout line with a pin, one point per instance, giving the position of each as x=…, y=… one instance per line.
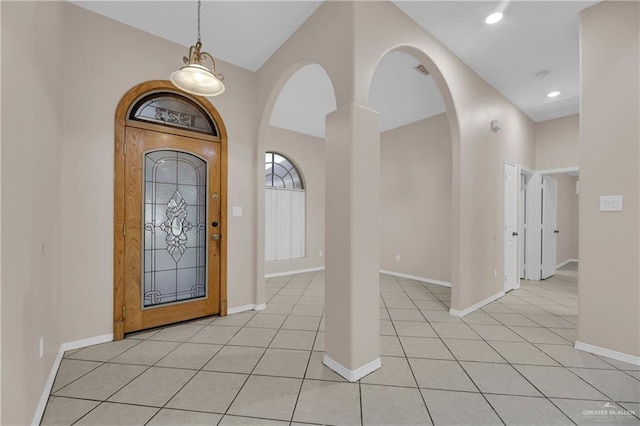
x=118, y=390
x=424, y=401
x=513, y=308
x=501, y=356
x=199, y=370
x=360, y=399
x=315, y=337
x=365, y=384
x=265, y=351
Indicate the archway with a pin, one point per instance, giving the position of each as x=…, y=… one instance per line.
x=436, y=87
x=416, y=169
x=293, y=124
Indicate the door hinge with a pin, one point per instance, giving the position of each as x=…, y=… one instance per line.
x=124, y=229
x=124, y=148
x=124, y=312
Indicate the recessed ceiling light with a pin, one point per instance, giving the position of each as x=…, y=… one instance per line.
x=553, y=94
x=493, y=18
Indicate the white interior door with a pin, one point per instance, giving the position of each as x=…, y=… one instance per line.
x=510, y=226
x=549, y=226
x=522, y=234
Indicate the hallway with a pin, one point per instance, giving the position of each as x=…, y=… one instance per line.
x=511, y=362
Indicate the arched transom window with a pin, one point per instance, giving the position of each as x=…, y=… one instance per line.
x=173, y=110
x=280, y=172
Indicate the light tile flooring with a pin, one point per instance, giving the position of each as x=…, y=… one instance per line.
x=511, y=362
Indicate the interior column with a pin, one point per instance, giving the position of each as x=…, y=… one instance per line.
x=352, y=342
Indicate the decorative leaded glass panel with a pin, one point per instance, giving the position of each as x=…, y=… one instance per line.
x=175, y=212
x=173, y=110
x=281, y=173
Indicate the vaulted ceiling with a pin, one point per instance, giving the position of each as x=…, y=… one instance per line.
x=533, y=37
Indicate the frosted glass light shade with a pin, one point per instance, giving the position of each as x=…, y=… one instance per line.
x=197, y=80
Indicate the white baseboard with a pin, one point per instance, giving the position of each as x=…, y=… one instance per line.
x=244, y=308
x=566, y=262
x=83, y=343
x=77, y=344
x=298, y=271
x=618, y=356
x=414, y=277
x=477, y=306
x=352, y=375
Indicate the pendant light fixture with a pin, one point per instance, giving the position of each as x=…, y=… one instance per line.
x=196, y=78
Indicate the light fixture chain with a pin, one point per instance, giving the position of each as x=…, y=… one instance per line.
x=199, y=1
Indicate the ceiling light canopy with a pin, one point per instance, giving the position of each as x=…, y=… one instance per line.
x=493, y=18
x=553, y=94
x=194, y=77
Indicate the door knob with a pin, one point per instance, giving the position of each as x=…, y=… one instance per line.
x=515, y=234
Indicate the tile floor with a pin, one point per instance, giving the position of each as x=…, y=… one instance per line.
x=511, y=362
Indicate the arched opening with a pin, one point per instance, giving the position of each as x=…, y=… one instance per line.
x=419, y=183
x=296, y=131
x=170, y=201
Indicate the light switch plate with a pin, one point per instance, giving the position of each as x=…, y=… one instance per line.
x=611, y=203
x=237, y=211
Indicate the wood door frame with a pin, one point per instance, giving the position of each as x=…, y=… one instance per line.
x=118, y=193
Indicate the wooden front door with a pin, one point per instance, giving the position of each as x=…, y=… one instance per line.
x=170, y=198
x=172, y=222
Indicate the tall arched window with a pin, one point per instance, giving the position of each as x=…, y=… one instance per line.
x=285, y=211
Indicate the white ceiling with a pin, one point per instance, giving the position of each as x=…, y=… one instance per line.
x=533, y=36
x=399, y=93
x=244, y=33
x=304, y=101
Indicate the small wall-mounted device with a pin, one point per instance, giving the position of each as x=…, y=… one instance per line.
x=496, y=126
x=611, y=203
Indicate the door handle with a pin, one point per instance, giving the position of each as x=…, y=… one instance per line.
x=515, y=234
x=556, y=232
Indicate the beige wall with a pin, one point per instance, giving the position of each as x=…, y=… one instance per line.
x=307, y=152
x=0, y=222
x=61, y=92
x=124, y=57
x=31, y=144
x=73, y=84
x=415, y=190
x=350, y=55
x=558, y=143
x=609, y=296
x=478, y=154
x=567, y=218
x=324, y=38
